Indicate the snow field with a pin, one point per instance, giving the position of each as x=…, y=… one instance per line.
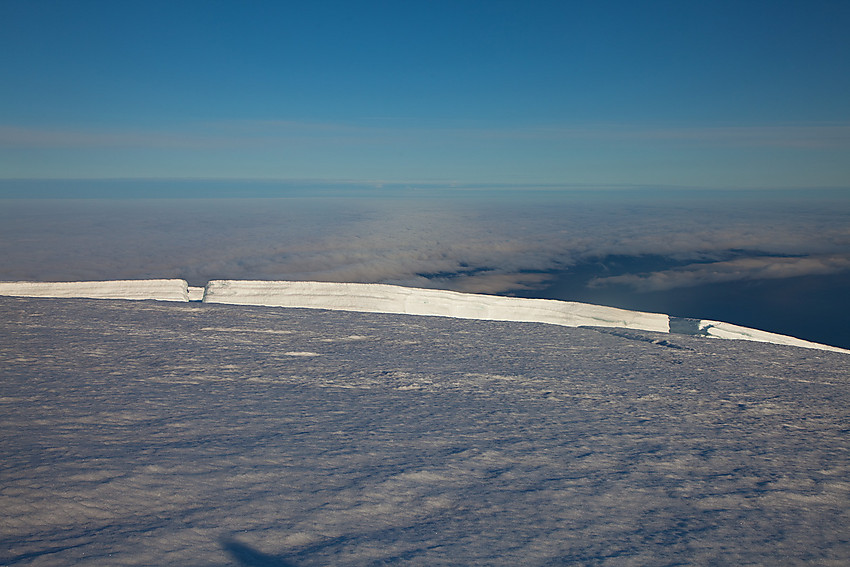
x=167, y=434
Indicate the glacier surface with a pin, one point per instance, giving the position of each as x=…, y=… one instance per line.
x=145, y=433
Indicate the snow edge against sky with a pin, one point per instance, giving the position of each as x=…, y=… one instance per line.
x=384, y=298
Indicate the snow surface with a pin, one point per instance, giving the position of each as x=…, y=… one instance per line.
x=382, y=298
x=204, y=435
x=162, y=290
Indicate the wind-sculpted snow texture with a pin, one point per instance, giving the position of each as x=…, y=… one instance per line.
x=379, y=298
x=144, y=433
x=163, y=290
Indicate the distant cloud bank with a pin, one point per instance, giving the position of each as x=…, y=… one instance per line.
x=471, y=241
x=749, y=268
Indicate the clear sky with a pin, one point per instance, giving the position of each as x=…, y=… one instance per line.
x=737, y=93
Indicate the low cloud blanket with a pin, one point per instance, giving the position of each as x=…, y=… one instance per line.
x=632, y=248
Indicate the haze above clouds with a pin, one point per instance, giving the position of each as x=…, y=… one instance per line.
x=731, y=94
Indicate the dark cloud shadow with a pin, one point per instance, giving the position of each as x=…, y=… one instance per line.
x=246, y=556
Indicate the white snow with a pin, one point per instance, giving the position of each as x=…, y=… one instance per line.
x=196, y=293
x=722, y=330
x=166, y=434
x=383, y=298
x=162, y=289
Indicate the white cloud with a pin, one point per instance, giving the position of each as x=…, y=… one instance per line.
x=487, y=243
x=750, y=268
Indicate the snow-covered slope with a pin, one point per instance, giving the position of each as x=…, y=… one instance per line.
x=382, y=298
x=162, y=290
x=219, y=435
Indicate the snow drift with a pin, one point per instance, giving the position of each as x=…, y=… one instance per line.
x=382, y=298
x=162, y=290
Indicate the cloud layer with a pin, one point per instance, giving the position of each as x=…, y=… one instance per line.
x=486, y=242
x=747, y=268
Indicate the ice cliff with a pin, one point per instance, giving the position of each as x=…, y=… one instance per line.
x=162, y=290
x=383, y=298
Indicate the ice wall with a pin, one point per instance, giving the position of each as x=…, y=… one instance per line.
x=382, y=298
x=162, y=290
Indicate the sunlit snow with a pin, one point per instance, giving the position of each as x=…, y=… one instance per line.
x=382, y=298
x=204, y=435
x=162, y=290
x=722, y=330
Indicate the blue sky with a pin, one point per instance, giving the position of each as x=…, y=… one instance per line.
x=719, y=94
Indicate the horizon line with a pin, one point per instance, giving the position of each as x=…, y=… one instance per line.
x=414, y=184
